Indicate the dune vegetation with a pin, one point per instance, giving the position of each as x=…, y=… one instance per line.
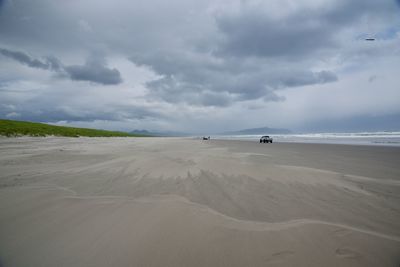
x=23, y=128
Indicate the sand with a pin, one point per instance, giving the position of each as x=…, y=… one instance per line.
x=183, y=202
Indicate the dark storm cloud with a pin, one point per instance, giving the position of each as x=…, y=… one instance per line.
x=253, y=31
x=307, y=78
x=38, y=109
x=25, y=59
x=255, y=34
x=94, y=70
x=258, y=53
x=203, y=81
x=170, y=90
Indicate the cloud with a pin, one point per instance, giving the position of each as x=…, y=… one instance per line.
x=199, y=64
x=307, y=78
x=84, y=26
x=204, y=80
x=25, y=59
x=254, y=33
x=265, y=47
x=297, y=30
x=50, y=105
x=372, y=78
x=94, y=70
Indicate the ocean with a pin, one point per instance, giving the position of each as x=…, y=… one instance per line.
x=360, y=138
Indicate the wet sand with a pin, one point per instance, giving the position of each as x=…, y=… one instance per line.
x=182, y=202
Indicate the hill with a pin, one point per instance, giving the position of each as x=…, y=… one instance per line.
x=263, y=130
x=21, y=128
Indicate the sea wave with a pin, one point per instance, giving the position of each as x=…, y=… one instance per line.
x=354, y=138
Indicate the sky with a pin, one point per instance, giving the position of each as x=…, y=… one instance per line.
x=202, y=66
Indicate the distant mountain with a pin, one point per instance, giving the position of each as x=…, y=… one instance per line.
x=161, y=134
x=263, y=130
x=141, y=132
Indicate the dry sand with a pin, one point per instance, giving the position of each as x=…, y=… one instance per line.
x=181, y=202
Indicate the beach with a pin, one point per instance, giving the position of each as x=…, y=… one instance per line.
x=189, y=202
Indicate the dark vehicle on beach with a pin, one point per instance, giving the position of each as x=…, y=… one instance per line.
x=265, y=139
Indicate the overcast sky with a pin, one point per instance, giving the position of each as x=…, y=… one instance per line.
x=202, y=66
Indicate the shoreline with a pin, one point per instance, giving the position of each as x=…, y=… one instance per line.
x=362, y=141
x=394, y=144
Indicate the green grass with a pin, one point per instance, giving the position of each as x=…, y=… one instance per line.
x=23, y=128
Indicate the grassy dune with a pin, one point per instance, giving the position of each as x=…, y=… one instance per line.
x=21, y=128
